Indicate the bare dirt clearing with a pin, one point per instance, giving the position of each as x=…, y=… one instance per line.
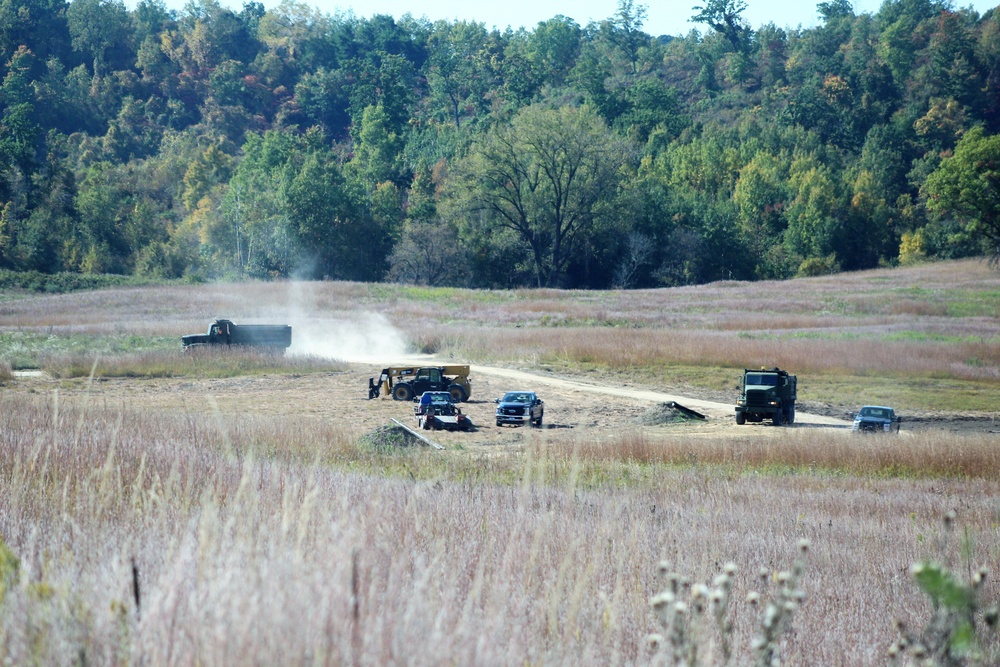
x=575, y=409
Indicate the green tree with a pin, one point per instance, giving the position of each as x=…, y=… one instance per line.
x=967, y=185
x=456, y=70
x=548, y=178
x=627, y=31
x=725, y=17
x=97, y=27
x=553, y=48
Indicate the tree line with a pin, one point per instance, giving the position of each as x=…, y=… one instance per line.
x=212, y=143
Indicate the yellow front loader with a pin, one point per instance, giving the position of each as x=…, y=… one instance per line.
x=405, y=383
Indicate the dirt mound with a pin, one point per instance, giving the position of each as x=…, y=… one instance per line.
x=390, y=437
x=666, y=413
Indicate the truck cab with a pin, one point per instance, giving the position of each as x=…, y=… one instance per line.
x=766, y=394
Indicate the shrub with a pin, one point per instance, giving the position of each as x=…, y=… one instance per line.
x=962, y=629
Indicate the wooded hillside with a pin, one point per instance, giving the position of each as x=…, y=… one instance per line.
x=218, y=144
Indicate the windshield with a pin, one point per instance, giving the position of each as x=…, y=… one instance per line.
x=517, y=397
x=766, y=379
x=881, y=413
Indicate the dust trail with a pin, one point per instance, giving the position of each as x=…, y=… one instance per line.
x=347, y=335
x=366, y=337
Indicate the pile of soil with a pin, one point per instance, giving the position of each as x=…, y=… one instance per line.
x=665, y=413
x=390, y=437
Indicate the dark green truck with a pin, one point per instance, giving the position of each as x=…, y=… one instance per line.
x=274, y=337
x=766, y=394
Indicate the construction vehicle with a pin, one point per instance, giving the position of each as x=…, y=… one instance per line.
x=226, y=332
x=766, y=394
x=405, y=383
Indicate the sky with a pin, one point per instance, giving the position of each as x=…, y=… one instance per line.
x=666, y=17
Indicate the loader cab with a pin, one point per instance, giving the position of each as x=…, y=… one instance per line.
x=427, y=379
x=432, y=375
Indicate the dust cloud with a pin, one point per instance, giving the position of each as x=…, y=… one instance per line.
x=364, y=337
x=351, y=336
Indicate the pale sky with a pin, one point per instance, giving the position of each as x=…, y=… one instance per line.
x=663, y=18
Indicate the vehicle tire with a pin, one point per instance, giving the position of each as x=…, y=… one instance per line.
x=790, y=417
x=741, y=418
x=457, y=392
x=499, y=423
x=778, y=418
x=402, y=392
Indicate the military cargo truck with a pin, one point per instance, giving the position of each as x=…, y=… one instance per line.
x=275, y=337
x=766, y=394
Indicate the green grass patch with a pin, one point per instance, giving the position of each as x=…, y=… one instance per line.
x=61, y=283
x=969, y=303
x=210, y=363
x=32, y=350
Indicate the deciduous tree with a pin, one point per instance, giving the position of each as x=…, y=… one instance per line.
x=548, y=177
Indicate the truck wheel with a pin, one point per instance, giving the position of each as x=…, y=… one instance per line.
x=457, y=392
x=790, y=417
x=499, y=423
x=402, y=392
x=777, y=419
x=741, y=419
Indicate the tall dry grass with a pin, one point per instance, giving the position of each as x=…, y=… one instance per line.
x=918, y=455
x=250, y=549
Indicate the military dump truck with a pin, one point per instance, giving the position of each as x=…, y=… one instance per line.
x=404, y=383
x=274, y=337
x=766, y=394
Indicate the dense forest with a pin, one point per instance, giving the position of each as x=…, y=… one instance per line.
x=211, y=143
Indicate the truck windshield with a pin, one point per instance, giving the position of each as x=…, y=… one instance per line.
x=766, y=379
x=516, y=397
x=880, y=413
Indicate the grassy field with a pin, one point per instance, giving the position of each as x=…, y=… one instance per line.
x=224, y=536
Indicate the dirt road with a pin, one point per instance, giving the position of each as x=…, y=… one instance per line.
x=711, y=409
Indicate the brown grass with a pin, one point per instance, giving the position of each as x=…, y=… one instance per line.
x=913, y=454
x=248, y=553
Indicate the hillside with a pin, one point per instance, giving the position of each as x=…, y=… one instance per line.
x=285, y=143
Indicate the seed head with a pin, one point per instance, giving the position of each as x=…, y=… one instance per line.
x=804, y=545
x=730, y=569
x=764, y=574
x=662, y=600
x=663, y=568
x=991, y=616
x=949, y=518
x=753, y=597
x=699, y=591
x=654, y=642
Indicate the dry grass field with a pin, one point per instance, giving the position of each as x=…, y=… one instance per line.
x=168, y=509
